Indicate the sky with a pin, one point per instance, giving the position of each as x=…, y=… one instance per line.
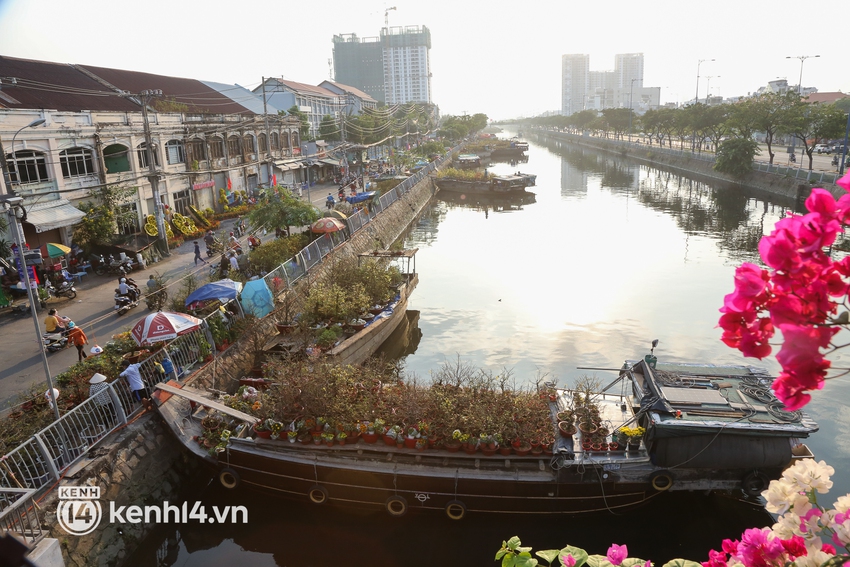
x=496, y=57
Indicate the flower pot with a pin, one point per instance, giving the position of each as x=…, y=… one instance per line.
x=596, y=446
x=264, y=434
x=306, y=440
x=399, y=444
x=470, y=448
x=566, y=429
x=329, y=443
x=634, y=443
x=522, y=450
x=505, y=450
x=452, y=446
x=537, y=450
x=410, y=442
x=352, y=438
x=613, y=446
x=357, y=328
x=369, y=437
x=291, y=439
x=586, y=445
x=390, y=441
x=284, y=328
x=488, y=450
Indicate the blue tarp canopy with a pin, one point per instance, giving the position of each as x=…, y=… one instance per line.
x=257, y=298
x=222, y=290
x=360, y=197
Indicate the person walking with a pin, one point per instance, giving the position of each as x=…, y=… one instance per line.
x=134, y=380
x=234, y=263
x=198, y=254
x=78, y=338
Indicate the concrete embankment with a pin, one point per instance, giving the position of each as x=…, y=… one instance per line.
x=780, y=185
x=144, y=465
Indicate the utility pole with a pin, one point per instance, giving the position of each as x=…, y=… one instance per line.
x=700, y=62
x=153, y=176
x=268, y=134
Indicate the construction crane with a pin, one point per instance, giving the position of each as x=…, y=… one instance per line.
x=387, y=16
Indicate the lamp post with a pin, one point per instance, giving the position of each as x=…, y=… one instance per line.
x=7, y=177
x=700, y=62
x=802, y=59
x=631, y=89
x=708, y=86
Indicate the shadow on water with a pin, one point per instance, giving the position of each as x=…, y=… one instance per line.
x=282, y=532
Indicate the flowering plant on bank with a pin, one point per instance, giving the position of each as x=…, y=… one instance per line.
x=800, y=294
x=806, y=534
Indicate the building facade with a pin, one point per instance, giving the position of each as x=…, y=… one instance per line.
x=623, y=87
x=575, y=83
x=359, y=62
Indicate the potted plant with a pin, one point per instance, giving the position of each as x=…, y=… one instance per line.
x=287, y=323
x=261, y=429
x=292, y=436
x=328, y=438
x=522, y=448
x=341, y=437
x=275, y=427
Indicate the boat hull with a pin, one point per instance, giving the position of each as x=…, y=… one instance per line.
x=477, y=188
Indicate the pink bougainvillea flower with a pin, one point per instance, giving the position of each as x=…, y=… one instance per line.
x=821, y=201
x=794, y=547
x=730, y=546
x=844, y=181
x=616, y=553
x=757, y=549
x=827, y=548
x=568, y=560
x=715, y=559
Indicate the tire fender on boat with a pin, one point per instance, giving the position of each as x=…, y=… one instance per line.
x=661, y=480
x=754, y=483
x=228, y=478
x=396, y=506
x=455, y=509
x=318, y=494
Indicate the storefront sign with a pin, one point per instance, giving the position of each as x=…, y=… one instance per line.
x=203, y=185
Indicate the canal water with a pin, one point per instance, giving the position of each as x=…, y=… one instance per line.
x=609, y=256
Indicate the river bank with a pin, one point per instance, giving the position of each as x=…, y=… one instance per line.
x=699, y=166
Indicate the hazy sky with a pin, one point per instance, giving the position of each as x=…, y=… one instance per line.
x=497, y=57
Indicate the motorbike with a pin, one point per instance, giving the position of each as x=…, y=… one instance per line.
x=835, y=160
x=113, y=266
x=239, y=229
x=217, y=247
x=124, y=303
x=56, y=340
x=155, y=300
x=792, y=158
x=66, y=289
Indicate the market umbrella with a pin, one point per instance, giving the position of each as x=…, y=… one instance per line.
x=336, y=214
x=53, y=250
x=327, y=224
x=163, y=326
x=222, y=290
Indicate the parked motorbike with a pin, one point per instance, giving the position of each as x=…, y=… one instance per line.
x=113, y=266
x=66, y=289
x=124, y=303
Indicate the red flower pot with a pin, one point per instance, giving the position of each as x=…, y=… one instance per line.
x=505, y=451
x=452, y=446
x=488, y=452
x=410, y=442
x=352, y=438
x=390, y=441
x=369, y=437
x=264, y=434
x=522, y=450
x=613, y=446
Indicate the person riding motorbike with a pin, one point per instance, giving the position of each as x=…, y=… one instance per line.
x=792, y=158
x=55, y=323
x=253, y=241
x=330, y=201
x=233, y=241
x=125, y=289
x=209, y=239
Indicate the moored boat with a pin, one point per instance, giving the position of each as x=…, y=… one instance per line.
x=491, y=185
x=688, y=427
x=467, y=161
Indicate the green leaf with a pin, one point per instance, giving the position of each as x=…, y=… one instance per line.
x=578, y=554
x=513, y=543
x=681, y=563
x=549, y=555
x=501, y=552
x=525, y=560
x=598, y=561
x=632, y=561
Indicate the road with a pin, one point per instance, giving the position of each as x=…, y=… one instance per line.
x=93, y=310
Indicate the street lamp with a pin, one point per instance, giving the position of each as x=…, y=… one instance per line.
x=708, y=86
x=802, y=59
x=7, y=178
x=700, y=62
x=631, y=89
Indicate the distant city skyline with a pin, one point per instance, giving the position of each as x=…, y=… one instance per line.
x=504, y=61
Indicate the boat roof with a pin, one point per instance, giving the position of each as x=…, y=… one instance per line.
x=702, y=397
x=469, y=157
x=406, y=253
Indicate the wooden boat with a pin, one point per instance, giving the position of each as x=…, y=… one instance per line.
x=493, y=185
x=468, y=161
x=515, y=149
x=707, y=428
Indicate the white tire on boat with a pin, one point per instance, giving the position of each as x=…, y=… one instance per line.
x=318, y=494
x=661, y=480
x=396, y=506
x=228, y=478
x=455, y=509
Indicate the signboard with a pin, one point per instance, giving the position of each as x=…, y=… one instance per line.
x=203, y=185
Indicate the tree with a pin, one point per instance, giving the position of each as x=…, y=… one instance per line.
x=814, y=124
x=283, y=210
x=769, y=113
x=735, y=156
x=304, y=129
x=617, y=120
x=329, y=129
x=103, y=213
x=715, y=123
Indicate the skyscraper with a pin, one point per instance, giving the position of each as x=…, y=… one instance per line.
x=575, y=71
x=582, y=88
x=395, y=68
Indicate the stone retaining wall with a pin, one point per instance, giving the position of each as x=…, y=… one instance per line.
x=143, y=464
x=757, y=180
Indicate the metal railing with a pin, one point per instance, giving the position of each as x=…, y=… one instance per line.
x=19, y=515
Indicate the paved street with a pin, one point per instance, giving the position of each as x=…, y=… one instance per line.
x=92, y=309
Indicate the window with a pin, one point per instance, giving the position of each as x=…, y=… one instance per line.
x=295, y=142
x=197, y=150
x=127, y=217
x=234, y=148
x=182, y=200
x=142, y=152
x=216, y=148
x=248, y=144
x=76, y=162
x=261, y=140
x=285, y=140
x=27, y=166
x=115, y=158
x=174, y=153
x=275, y=141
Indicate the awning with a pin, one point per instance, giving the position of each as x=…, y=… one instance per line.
x=53, y=214
x=321, y=143
x=286, y=165
x=329, y=161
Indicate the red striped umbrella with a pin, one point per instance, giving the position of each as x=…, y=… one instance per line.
x=327, y=224
x=163, y=326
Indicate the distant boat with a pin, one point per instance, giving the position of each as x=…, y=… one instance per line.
x=468, y=161
x=492, y=185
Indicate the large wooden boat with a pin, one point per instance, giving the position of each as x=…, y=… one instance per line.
x=516, y=148
x=706, y=428
x=467, y=161
x=492, y=185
